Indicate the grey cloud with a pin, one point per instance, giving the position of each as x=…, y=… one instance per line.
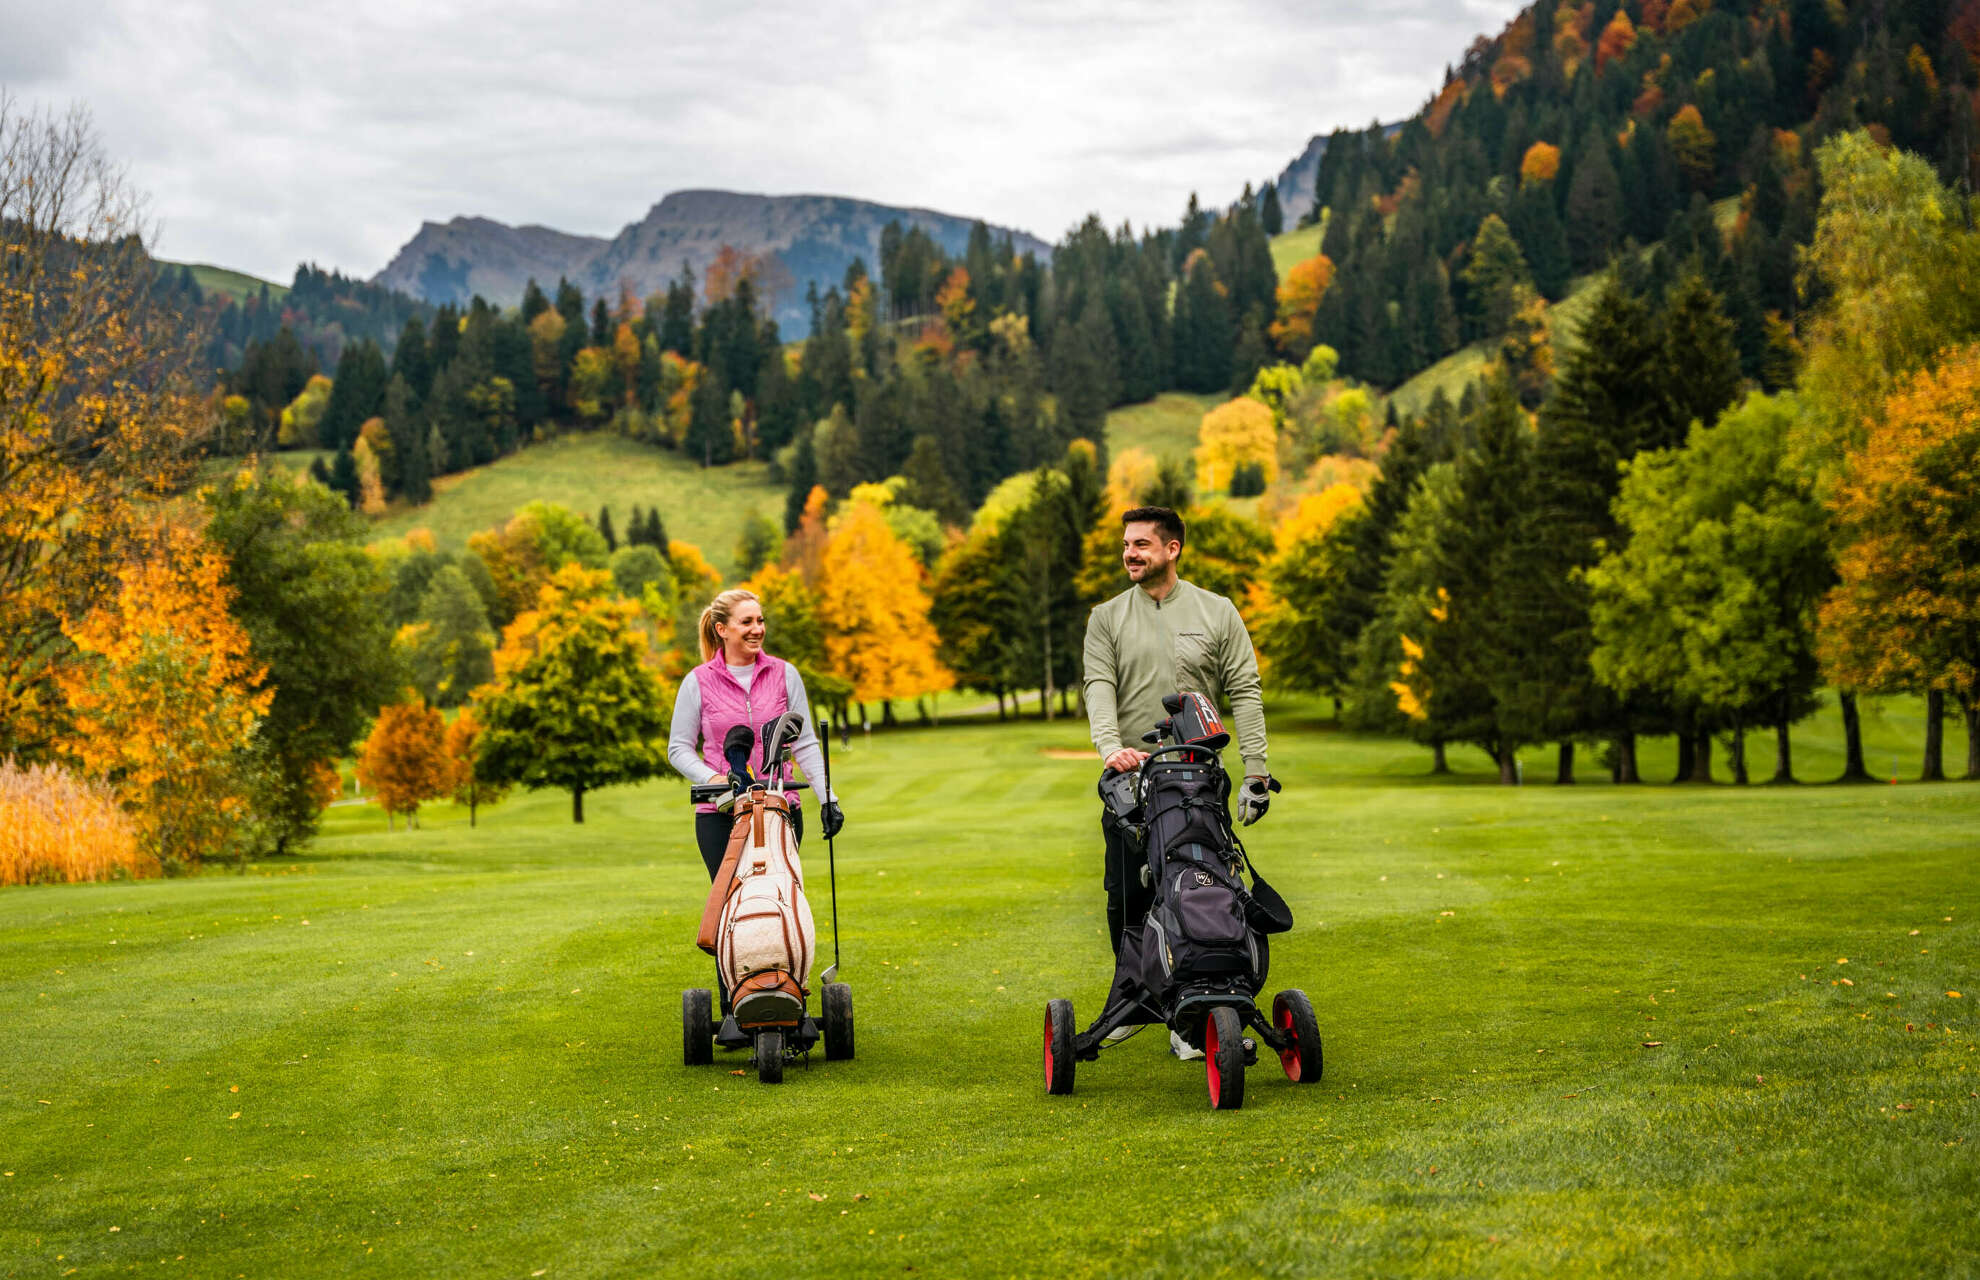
x=272, y=132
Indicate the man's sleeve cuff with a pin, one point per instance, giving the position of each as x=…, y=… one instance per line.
x=1255, y=765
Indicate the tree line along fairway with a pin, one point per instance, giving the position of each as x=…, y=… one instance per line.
x=1559, y=1022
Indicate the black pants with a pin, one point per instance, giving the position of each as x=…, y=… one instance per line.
x=1128, y=899
x=711, y=832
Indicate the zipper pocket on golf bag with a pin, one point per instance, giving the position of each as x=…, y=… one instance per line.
x=1206, y=911
x=766, y=930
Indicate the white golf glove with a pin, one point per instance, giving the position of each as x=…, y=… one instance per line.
x=1254, y=797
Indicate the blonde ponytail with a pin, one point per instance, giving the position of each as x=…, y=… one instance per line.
x=718, y=612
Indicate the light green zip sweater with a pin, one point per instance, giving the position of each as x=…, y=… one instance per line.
x=1137, y=650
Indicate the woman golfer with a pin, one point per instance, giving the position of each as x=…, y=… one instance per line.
x=738, y=683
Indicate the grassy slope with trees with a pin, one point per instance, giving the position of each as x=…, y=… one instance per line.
x=455, y=1052
x=706, y=507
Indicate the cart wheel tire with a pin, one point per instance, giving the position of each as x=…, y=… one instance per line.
x=770, y=1057
x=1223, y=1059
x=1292, y=1016
x=1059, y=1034
x=697, y=1028
x=838, y=1002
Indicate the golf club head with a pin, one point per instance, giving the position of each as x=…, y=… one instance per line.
x=736, y=745
x=779, y=736
x=831, y=972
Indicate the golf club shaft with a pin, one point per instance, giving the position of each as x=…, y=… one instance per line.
x=831, y=855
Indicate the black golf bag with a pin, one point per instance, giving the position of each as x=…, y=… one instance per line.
x=1204, y=940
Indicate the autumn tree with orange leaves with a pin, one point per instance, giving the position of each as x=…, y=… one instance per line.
x=97, y=414
x=164, y=697
x=1906, y=613
x=472, y=785
x=1299, y=298
x=405, y=760
x=874, y=608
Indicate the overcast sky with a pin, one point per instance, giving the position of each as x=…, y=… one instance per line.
x=268, y=133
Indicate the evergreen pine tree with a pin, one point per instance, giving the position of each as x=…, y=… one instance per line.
x=344, y=476
x=1270, y=215
x=1700, y=351
x=357, y=393
x=605, y=530
x=409, y=450
x=410, y=361
x=803, y=475
x=534, y=303
x=601, y=324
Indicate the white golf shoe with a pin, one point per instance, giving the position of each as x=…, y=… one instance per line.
x=1180, y=1047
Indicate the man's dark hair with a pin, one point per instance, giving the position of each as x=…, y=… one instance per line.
x=1165, y=520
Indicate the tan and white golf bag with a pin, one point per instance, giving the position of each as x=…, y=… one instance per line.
x=757, y=923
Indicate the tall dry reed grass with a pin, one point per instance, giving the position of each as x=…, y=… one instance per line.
x=56, y=828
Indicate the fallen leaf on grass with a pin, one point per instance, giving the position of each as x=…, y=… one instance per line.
x=1952, y=995
x=1653, y=1044
x=1904, y=1106
x=814, y=1195
x=738, y=1071
x=861, y=1195
x=1846, y=982
x=235, y=1116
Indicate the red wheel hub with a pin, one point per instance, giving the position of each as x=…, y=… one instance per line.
x=1211, y=1073
x=1289, y=1057
x=1048, y=1052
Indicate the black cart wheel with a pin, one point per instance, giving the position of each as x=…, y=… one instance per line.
x=1223, y=1059
x=838, y=1002
x=1292, y=1016
x=1059, y=1047
x=770, y=1057
x=697, y=1031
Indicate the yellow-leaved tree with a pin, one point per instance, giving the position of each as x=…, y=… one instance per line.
x=97, y=413
x=1236, y=434
x=164, y=698
x=405, y=760
x=1304, y=643
x=874, y=608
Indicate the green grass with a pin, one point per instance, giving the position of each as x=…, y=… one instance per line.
x=456, y=1052
x=1290, y=248
x=587, y=470
x=1165, y=426
x=234, y=284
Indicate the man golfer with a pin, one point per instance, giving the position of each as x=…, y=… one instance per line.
x=1161, y=636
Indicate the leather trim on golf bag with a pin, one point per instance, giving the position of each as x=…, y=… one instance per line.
x=757, y=920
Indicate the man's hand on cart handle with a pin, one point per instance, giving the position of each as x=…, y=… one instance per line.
x=1126, y=760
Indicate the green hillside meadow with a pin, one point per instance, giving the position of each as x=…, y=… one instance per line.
x=1664, y=1031
x=1166, y=426
x=238, y=285
x=586, y=470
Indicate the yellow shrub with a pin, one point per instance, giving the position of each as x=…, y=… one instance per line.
x=55, y=827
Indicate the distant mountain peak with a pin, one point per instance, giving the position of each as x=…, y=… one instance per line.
x=816, y=236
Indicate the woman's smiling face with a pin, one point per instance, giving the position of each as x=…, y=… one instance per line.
x=742, y=634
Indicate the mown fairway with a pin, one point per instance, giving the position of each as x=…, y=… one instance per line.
x=455, y=1052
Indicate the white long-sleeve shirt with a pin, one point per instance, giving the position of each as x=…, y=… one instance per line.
x=684, y=736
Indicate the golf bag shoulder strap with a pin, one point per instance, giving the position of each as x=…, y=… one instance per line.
x=718, y=890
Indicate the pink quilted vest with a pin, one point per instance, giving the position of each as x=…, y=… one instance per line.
x=724, y=703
